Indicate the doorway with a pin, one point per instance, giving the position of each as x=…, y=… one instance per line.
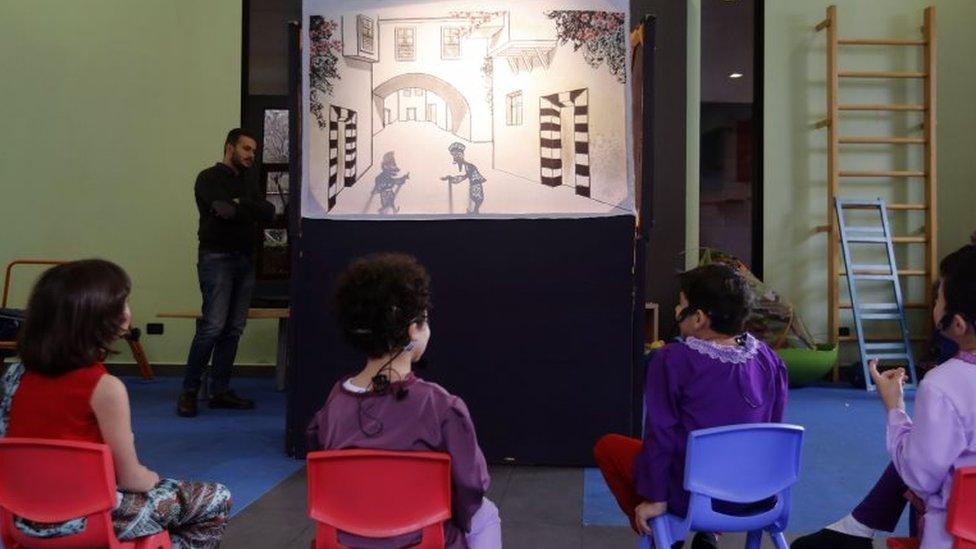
x=342, y=151
x=564, y=136
x=341, y=146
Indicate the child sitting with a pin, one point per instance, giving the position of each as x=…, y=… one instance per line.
x=924, y=453
x=717, y=375
x=62, y=391
x=381, y=303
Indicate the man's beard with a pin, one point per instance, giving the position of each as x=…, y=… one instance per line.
x=238, y=163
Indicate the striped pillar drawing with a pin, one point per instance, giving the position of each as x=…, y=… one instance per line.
x=551, y=142
x=348, y=117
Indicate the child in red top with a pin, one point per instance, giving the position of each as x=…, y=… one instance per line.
x=61, y=390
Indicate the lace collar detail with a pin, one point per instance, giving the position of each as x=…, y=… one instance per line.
x=739, y=354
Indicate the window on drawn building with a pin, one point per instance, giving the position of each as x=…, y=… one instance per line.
x=366, y=34
x=450, y=42
x=513, y=109
x=406, y=43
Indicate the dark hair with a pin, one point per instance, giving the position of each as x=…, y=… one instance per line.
x=378, y=297
x=236, y=134
x=720, y=293
x=957, y=273
x=75, y=312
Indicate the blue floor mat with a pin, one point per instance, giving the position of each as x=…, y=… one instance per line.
x=243, y=450
x=843, y=455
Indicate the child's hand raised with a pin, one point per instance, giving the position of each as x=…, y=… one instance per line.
x=890, y=384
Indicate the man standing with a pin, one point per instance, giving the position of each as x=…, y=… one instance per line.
x=230, y=208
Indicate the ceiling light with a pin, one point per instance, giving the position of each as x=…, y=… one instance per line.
x=735, y=75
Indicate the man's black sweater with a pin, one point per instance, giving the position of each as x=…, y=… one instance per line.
x=221, y=189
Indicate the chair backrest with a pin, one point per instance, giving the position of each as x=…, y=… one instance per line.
x=961, y=518
x=379, y=493
x=55, y=481
x=10, y=267
x=743, y=463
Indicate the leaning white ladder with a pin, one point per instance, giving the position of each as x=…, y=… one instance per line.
x=898, y=351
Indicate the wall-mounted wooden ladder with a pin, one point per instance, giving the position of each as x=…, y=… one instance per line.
x=927, y=76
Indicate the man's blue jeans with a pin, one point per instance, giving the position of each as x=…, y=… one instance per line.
x=226, y=282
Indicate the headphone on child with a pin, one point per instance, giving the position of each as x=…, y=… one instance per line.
x=381, y=384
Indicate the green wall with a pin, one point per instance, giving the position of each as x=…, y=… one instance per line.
x=109, y=108
x=795, y=153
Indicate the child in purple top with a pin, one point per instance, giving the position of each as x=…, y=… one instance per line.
x=924, y=452
x=718, y=375
x=381, y=303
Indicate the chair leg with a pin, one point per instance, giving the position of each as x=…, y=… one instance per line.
x=754, y=539
x=662, y=538
x=140, y=356
x=779, y=540
x=662, y=532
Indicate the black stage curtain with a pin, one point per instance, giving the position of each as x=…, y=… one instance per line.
x=532, y=326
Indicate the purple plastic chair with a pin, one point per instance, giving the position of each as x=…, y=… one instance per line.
x=740, y=464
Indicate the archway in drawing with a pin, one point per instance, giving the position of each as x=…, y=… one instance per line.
x=457, y=105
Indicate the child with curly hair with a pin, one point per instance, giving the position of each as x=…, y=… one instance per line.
x=381, y=303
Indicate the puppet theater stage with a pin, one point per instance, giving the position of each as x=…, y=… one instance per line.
x=538, y=286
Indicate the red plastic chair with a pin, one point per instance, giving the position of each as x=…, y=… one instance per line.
x=961, y=516
x=961, y=519
x=379, y=494
x=55, y=481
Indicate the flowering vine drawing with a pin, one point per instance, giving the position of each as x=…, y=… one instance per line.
x=600, y=34
x=475, y=19
x=487, y=72
x=323, y=64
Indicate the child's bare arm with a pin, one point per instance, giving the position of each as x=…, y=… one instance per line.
x=110, y=402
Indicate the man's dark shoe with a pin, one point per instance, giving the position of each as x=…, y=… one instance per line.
x=829, y=539
x=228, y=399
x=704, y=540
x=187, y=405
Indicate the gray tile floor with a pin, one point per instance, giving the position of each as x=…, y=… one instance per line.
x=540, y=507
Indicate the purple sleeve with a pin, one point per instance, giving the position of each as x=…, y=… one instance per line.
x=312, y=434
x=661, y=396
x=923, y=452
x=781, y=378
x=469, y=472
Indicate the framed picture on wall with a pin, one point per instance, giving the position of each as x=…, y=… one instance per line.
x=276, y=190
x=366, y=31
x=275, y=142
x=268, y=116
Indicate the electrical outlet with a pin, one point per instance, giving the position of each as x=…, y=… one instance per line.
x=154, y=328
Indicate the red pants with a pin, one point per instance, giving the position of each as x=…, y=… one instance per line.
x=616, y=456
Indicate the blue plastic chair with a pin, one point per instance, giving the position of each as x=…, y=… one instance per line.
x=740, y=464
